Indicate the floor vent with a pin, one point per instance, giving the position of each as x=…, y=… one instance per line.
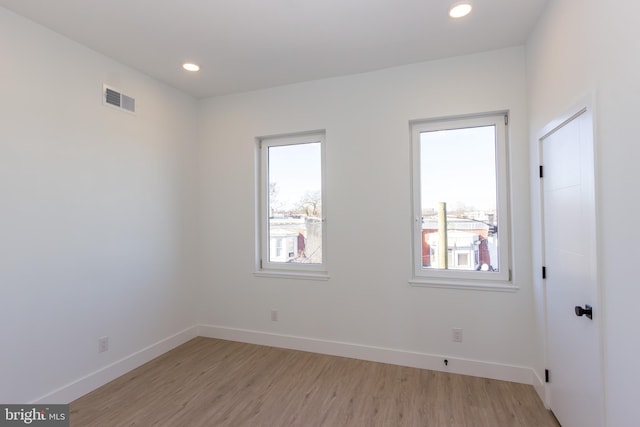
x=116, y=99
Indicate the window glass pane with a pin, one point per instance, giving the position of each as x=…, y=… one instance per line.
x=458, y=199
x=295, y=203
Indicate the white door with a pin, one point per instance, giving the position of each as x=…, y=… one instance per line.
x=570, y=243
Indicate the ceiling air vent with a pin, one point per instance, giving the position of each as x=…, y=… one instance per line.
x=116, y=99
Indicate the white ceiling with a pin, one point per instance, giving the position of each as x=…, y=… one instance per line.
x=251, y=44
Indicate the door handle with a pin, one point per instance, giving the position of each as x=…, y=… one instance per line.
x=586, y=311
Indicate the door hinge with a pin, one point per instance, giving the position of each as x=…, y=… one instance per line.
x=506, y=119
x=541, y=171
x=546, y=375
x=260, y=264
x=544, y=272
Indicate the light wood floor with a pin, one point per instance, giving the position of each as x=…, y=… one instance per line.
x=209, y=382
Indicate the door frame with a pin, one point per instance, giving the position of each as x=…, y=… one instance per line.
x=586, y=106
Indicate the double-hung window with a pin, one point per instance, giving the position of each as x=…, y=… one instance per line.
x=460, y=202
x=291, y=214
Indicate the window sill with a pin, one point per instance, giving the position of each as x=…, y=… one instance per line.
x=292, y=275
x=465, y=285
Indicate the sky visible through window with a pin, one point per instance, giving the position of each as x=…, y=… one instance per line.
x=296, y=171
x=458, y=166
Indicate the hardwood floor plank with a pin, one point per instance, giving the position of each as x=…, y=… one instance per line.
x=208, y=382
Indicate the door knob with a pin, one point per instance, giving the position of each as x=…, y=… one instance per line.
x=586, y=311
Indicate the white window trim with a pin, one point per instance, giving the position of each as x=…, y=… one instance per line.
x=263, y=267
x=452, y=278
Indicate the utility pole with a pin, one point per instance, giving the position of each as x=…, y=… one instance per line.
x=443, y=247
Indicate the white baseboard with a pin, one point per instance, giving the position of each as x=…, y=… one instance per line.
x=541, y=388
x=476, y=368
x=90, y=382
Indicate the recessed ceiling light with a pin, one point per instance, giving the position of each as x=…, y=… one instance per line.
x=459, y=10
x=190, y=67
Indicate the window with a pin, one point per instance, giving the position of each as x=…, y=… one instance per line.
x=292, y=232
x=460, y=201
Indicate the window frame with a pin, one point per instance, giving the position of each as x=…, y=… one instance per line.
x=455, y=278
x=264, y=267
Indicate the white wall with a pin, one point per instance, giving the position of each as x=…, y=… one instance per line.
x=368, y=300
x=581, y=48
x=559, y=77
x=94, y=208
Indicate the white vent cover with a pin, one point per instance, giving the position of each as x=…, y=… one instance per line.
x=114, y=98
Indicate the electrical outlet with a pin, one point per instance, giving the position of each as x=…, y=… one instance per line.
x=103, y=344
x=456, y=334
x=274, y=315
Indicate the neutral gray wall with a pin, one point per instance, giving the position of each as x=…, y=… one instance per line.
x=95, y=209
x=368, y=300
x=590, y=48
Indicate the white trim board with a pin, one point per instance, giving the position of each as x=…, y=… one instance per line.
x=540, y=387
x=102, y=376
x=476, y=368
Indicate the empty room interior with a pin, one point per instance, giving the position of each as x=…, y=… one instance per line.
x=293, y=196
